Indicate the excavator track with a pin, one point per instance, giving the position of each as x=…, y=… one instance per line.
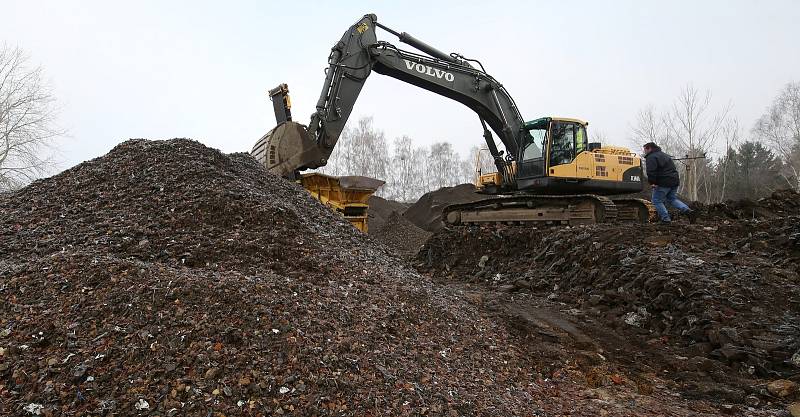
x=549, y=209
x=634, y=210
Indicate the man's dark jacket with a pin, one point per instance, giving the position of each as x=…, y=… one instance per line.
x=661, y=170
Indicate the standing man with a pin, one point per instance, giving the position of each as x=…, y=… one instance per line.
x=664, y=180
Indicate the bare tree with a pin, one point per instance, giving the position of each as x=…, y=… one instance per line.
x=409, y=171
x=598, y=136
x=360, y=151
x=649, y=127
x=731, y=133
x=693, y=130
x=27, y=120
x=469, y=168
x=690, y=128
x=779, y=129
x=405, y=171
x=442, y=166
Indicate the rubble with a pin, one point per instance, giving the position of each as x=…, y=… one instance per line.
x=426, y=213
x=782, y=388
x=169, y=276
x=794, y=409
x=166, y=278
x=723, y=294
x=401, y=235
x=780, y=204
x=380, y=209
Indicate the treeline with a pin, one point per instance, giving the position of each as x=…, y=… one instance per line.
x=750, y=163
x=718, y=159
x=409, y=170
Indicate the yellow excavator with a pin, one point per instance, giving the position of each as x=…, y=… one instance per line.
x=548, y=172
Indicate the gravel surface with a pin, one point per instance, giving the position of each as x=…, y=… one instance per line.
x=167, y=278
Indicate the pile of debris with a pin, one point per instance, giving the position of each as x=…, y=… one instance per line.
x=426, y=213
x=401, y=235
x=725, y=292
x=380, y=209
x=168, y=278
x=780, y=204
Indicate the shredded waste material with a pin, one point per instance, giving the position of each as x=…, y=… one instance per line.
x=166, y=278
x=401, y=235
x=380, y=209
x=718, y=300
x=426, y=213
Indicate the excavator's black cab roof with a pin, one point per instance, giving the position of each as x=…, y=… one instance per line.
x=544, y=122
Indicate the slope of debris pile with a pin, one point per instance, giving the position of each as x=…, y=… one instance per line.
x=726, y=292
x=380, y=209
x=401, y=235
x=166, y=278
x=426, y=213
x=173, y=202
x=780, y=204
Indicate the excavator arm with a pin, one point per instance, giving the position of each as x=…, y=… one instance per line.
x=291, y=147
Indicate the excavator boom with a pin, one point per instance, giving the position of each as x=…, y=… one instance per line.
x=292, y=147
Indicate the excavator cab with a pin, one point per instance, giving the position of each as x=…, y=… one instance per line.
x=552, y=142
x=556, y=157
x=560, y=159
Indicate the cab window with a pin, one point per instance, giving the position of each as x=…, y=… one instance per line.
x=581, y=141
x=533, y=150
x=562, y=144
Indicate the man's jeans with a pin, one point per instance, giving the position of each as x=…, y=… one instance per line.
x=668, y=194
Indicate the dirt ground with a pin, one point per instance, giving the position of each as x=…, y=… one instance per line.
x=711, y=309
x=166, y=278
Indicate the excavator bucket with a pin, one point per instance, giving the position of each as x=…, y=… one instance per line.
x=288, y=148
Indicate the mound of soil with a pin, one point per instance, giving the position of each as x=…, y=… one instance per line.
x=724, y=295
x=166, y=278
x=401, y=235
x=781, y=203
x=426, y=213
x=380, y=209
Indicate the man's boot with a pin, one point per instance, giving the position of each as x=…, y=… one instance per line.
x=692, y=215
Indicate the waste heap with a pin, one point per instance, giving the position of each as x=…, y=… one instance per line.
x=380, y=209
x=168, y=278
x=724, y=291
x=426, y=213
x=401, y=235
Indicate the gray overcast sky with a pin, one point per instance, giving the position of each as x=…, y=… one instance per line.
x=200, y=69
